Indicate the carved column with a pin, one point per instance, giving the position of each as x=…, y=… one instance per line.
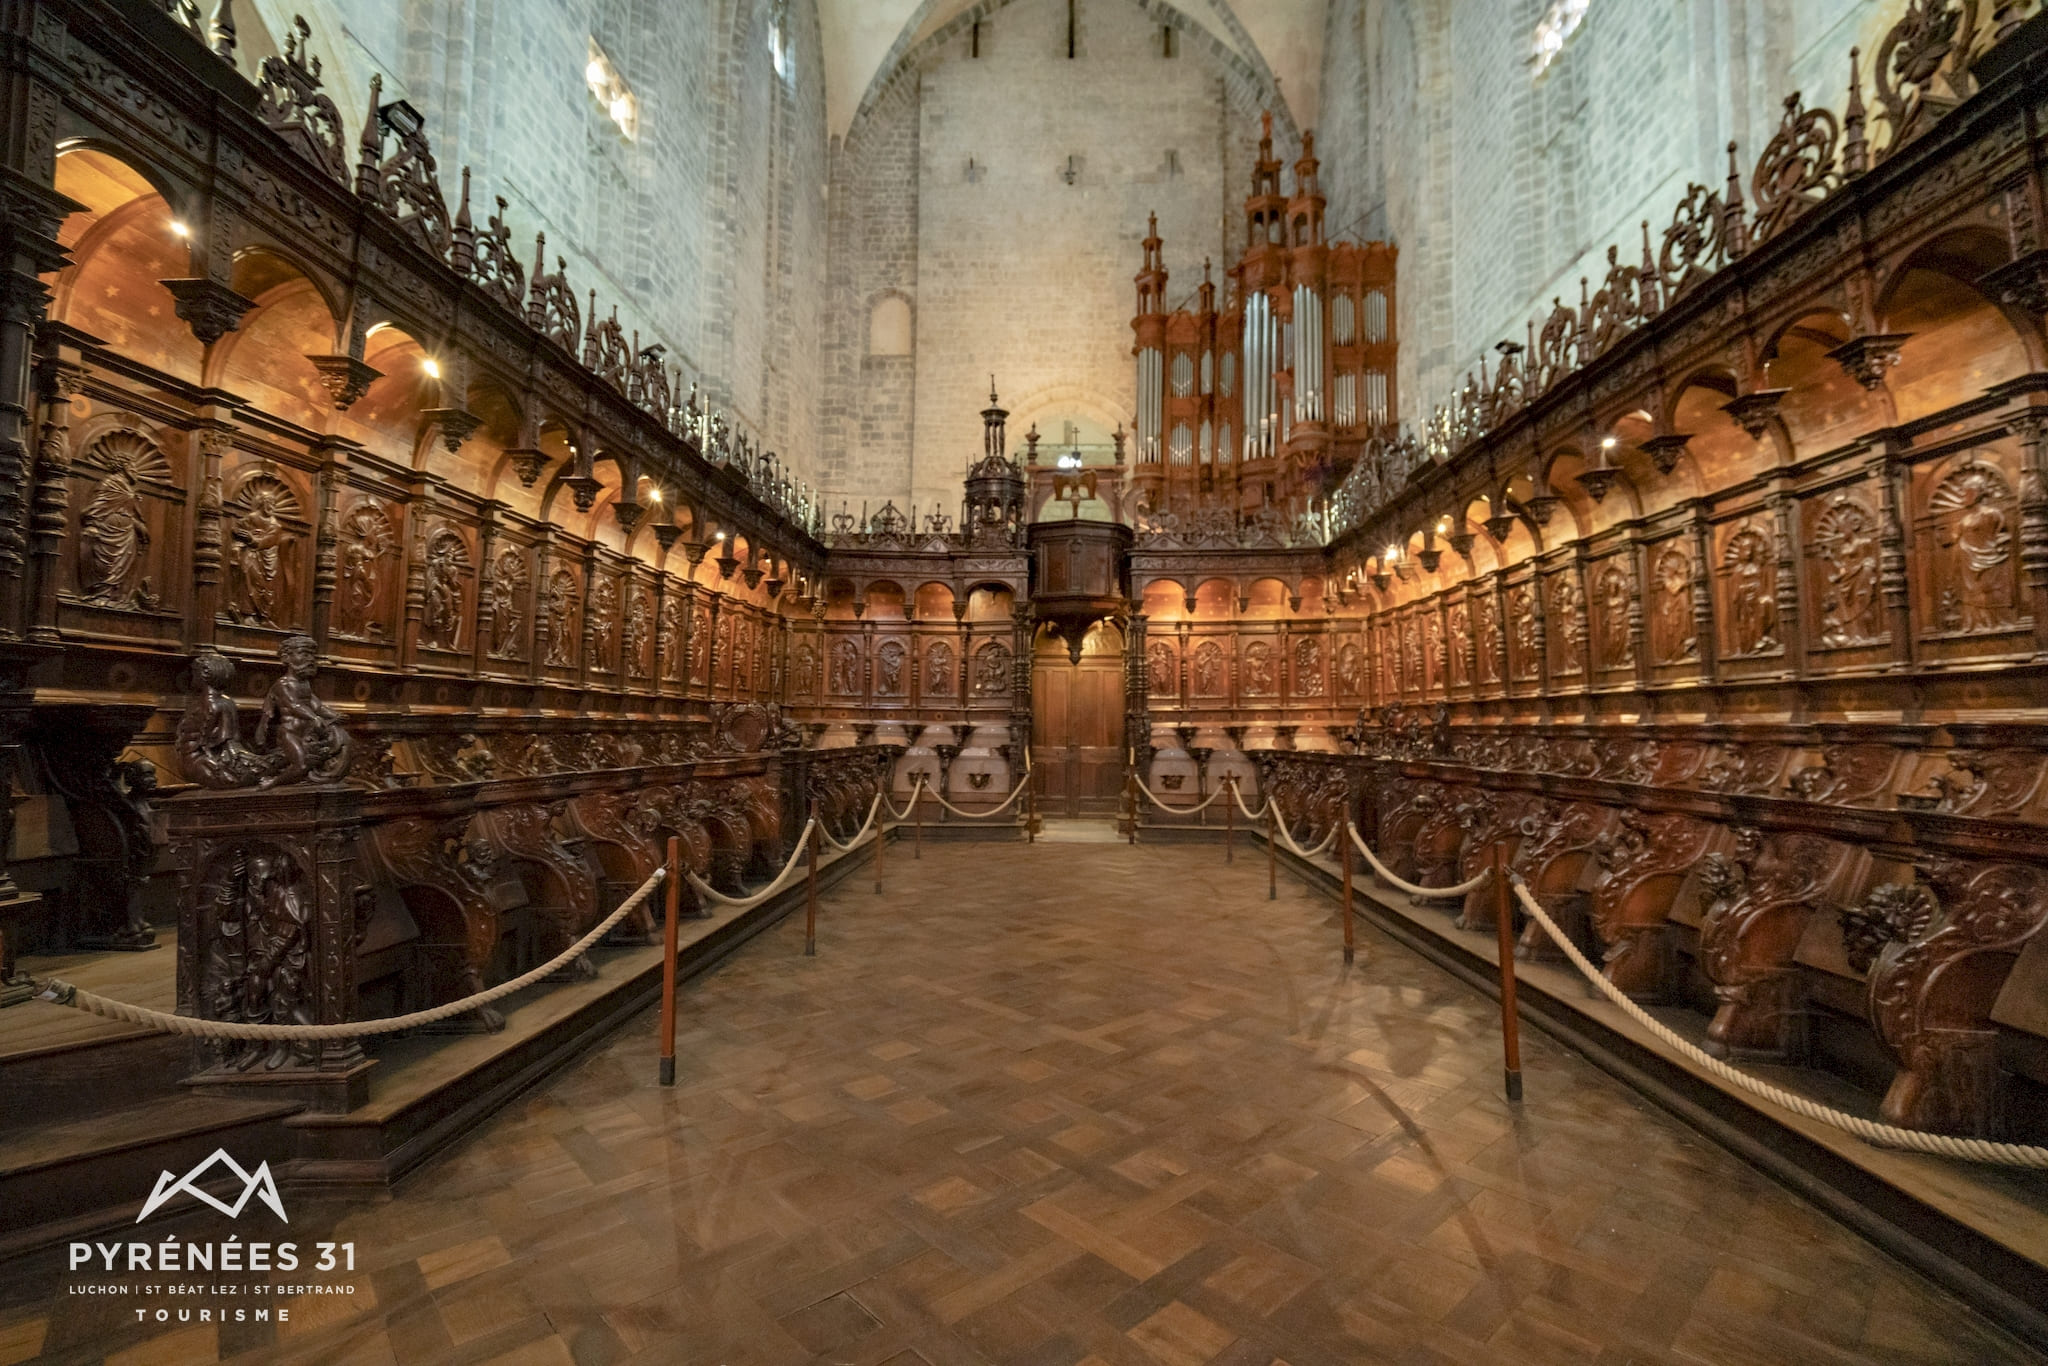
x=55, y=384
x=1020, y=676
x=711, y=655
x=2030, y=425
x=1137, y=685
x=664, y=643
x=486, y=592
x=1538, y=630
x=543, y=627
x=1703, y=594
x=30, y=214
x=588, y=644
x=415, y=584
x=326, y=544
x=687, y=620
x=209, y=533
x=1785, y=514
x=1638, y=624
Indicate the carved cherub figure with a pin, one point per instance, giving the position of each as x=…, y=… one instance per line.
x=210, y=748
x=306, y=731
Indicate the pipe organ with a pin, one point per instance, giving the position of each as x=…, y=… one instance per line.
x=1266, y=401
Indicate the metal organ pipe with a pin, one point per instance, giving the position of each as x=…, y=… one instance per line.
x=1151, y=378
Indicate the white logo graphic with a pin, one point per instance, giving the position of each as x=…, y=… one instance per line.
x=257, y=1183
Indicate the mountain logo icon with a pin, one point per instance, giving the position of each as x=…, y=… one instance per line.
x=258, y=1183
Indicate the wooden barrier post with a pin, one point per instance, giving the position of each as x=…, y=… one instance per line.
x=672, y=893
x=917, y=811
x=1230, y=819
x=1504, y=918
x=811, y=887
x=881, y=838
x=1272, y=857
x=1030, y=810
x=1344, y=840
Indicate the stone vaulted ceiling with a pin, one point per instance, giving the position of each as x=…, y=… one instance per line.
x=864, y=39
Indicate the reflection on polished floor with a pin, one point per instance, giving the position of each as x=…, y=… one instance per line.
x=1099, y=1104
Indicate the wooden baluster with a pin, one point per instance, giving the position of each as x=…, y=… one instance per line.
x=1230, y=823
x=811, y=886
x=1344, y=843
x=1272, y=855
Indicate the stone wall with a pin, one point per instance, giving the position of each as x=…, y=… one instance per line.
x=708, y=231
x=950, y=192
x=1502, y=190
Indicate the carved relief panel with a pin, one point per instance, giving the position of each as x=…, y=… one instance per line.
x=511, y=604
x=127, y=498
x=445, y=576
x=1567, y=620
x=671, y=638
x=636, y=634
x=604, y=621
x=268, y=529
x=1259, y=673
x=700, y=646
x=366, y=574
x=1308, y=667
x=1674, y=639
x=938, y=669
x=1614, y=590
x=1486, y=633
x=1208, y=674
x=741, y=668
x=1523, y=658
x=1748, y=573
x=1162, y=670
x=992, y=670
x=803, y=679
x=1458, y=650
x=1842, y=549
x=889, y=657
x=846, y=668
x=1968, y=543
x=563, y=620
x=1350, y=670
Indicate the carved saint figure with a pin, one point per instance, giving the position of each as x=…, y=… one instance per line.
x=1208, y=670
x=700, y=647
x=1676, y=640
x=603, y=622
x=561, y=615
x=1522, y=628
x=1162, y=676
x=442, y=625
x=1845, y=542
x=1258, y=669
x=1461, y=641
x=366, y=539
x=1752, y=591
x=992, y=669
x=638, y=629
x=938, y=669
x=1350, y=669
x=508, y=604
x=670, y=642
x=210, y=748
x=276, y=923
x=889, y=669
x=1567, y=606
x=1614, y=590
x=1975, y=586
x=1489, y=641
x=1308, y=668
x=742, y=653
x=846, y=668
x=261, y=537
x=303, y=729
x=805, y=675
x=112, y=538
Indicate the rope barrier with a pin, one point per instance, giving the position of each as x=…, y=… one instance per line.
x=1249, y=814
x=742, y=903
x=59, y=992
x=1015, y=793
x=858, y=835
x=1470, y=885
x=1177, y=810
x=1883, y=1135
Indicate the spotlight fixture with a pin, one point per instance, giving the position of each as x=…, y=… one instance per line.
x=178, y=228
x=430, y=367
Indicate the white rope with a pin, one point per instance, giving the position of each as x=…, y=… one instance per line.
x=1329, y=841
x=1884, y=1135
x=858, y=835
x=742, y=903
x=59, y=992
x=1178, y=810
x=1249, y=814
x=1471, y=885
x=1015, y=793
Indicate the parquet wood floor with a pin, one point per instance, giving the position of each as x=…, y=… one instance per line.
x=1088, y=1104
